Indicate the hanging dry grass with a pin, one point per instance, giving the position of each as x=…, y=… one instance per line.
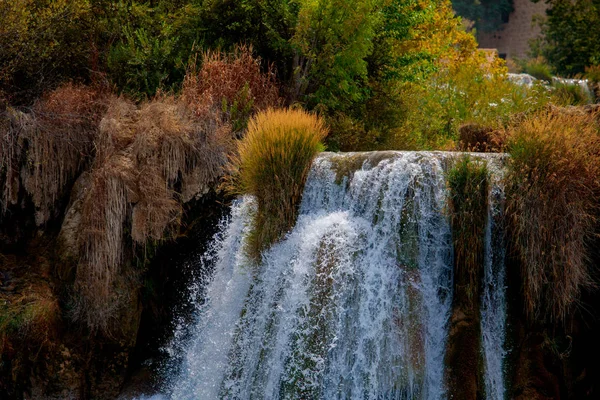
x=152, y=160
x=43, y=151
x=553, y=192
x=272, y=164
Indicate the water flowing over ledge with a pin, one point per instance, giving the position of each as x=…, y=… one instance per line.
x=355, y=301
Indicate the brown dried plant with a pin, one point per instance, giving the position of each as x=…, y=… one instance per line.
x=154, y=158
x=553, y=192
x=232, y=84
x=43, y=151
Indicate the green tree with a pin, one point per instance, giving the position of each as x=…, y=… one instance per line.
x=333, y=38
x=154, y=43
x=267, y=25
x=43, y=42
x=570, y=36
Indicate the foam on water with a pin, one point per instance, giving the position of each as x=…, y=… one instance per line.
x=354, y=303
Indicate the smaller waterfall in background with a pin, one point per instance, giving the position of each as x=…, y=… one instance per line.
x=493, y=302
x=354, y=303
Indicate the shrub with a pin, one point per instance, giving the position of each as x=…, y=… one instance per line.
x=43, y=43
x=468, y=199
x=465, y=94
x=567, y=93
x=552, y=188
x=592, y=73
x=232, y=84
x=479, y=138
x=272, y=163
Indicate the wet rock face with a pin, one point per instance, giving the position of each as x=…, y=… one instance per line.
x=463, y=356
x=44, y=354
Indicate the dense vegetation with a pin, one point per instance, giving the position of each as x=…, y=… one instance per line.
x=570, y=30
x=116, y=115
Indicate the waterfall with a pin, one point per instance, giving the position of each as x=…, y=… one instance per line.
x=354, y=302
x=493, y=302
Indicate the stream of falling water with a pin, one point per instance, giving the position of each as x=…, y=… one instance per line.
x=354, y=303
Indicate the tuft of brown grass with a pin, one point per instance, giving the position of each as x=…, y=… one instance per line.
x=481, y=139
x=231, y=84
x=468, y=186
x=553, y=192
x=272, y=164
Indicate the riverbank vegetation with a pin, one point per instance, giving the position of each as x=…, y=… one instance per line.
x=152, y=107
x=117, y=115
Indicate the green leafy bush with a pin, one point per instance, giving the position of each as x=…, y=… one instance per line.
x=435, y=111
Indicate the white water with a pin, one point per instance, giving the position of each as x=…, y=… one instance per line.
x=493, y=301
x=353, y=304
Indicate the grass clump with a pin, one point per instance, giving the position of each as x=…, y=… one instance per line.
x=272, y=164
x=553, y=189
x=468, y=185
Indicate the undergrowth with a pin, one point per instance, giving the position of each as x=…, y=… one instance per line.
x=553, y=190
x=272, y=163
x=434, y=111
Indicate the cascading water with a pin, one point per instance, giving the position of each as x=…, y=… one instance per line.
x=493, y=302
x=354, y=303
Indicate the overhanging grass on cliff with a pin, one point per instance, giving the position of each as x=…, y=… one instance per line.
x=468, y=199
x=468, y=186
x=553, y=192
x=272, y=163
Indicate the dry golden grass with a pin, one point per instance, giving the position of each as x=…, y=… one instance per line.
x=272, y=163
x=553, y=192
